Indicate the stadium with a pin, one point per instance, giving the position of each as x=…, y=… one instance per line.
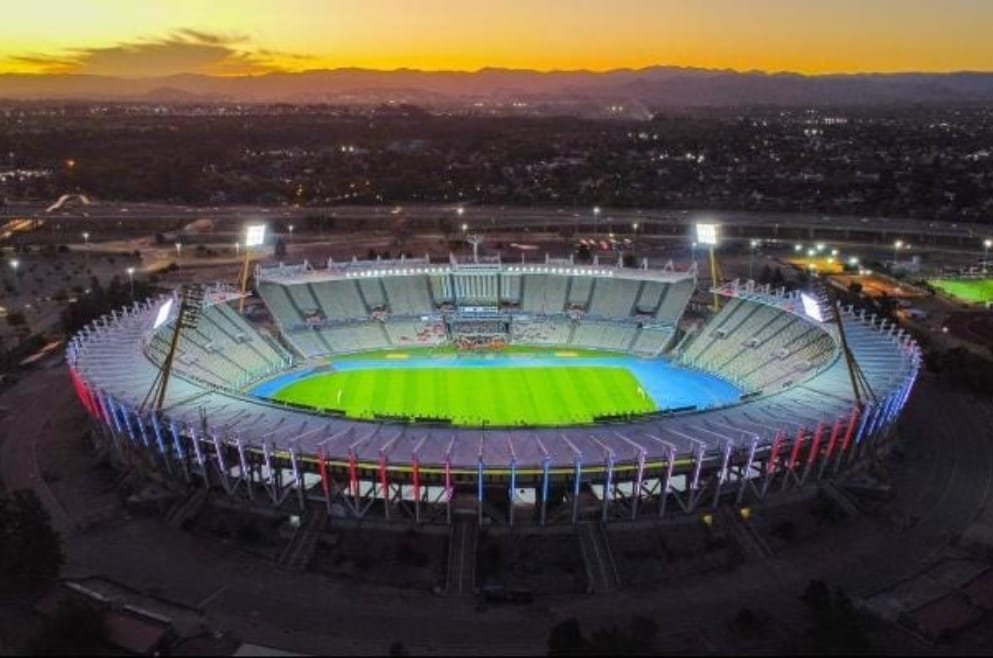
x=521, y=394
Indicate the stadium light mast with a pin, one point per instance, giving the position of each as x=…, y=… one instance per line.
x=190, y=308
x=706, y=234
x=475, y=240
x=751, y=257
x=254, y=237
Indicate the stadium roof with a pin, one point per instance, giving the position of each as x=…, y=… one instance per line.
x=111, y=358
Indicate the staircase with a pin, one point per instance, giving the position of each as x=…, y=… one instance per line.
x=187, y=508
x=744, y=535
x=460, y=579
x=601, y=572
x=296, y=556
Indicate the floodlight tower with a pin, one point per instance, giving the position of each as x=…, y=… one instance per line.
x=475, y=239
x=190, y=308
x=254, y=237
x=706, y=234
x=813, y=307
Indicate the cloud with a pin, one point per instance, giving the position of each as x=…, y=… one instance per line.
x=40, y=63
x=184, y=51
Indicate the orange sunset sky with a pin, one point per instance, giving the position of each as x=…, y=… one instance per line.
x=237, y=37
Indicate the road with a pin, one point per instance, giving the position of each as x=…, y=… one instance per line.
x=944, y=485
x=764, y=224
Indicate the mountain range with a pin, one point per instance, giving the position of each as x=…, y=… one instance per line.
x=659, y=86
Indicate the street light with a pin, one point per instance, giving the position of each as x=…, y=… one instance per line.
x=987, y=243
x=290, y=227
x=897, y=246
x=14, y=264
x=596, y=225
x=86, y=248
x=131, y=277
x=179, y=249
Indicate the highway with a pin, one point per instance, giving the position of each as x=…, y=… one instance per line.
x=757, y=224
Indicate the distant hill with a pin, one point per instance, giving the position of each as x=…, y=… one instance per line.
x=659, y=86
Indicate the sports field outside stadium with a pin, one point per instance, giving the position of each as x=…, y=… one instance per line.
x=973, y=291
x=512, y=387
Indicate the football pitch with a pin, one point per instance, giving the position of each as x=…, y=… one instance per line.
x=497, y=396
x=974, y=291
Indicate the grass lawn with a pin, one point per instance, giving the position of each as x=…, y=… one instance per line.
x=476, y=396
x=974, y=291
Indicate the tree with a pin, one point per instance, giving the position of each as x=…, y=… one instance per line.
x=765, y=276
x=76, y=629
x=583, y=253
x=30, y=549
x=835, y=625
x=566, y=639
x=16, y=319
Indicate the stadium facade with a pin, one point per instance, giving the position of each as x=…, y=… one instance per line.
x=798, y=421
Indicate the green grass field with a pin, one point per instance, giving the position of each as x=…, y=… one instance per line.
x=974, y=291
x=477, y=396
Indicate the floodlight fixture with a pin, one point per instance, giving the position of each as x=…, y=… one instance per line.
x=163, y=314
x=811, y=307
x=706, y=234
x=255, y=235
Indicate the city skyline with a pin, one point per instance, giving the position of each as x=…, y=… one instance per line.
x=102, y=37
